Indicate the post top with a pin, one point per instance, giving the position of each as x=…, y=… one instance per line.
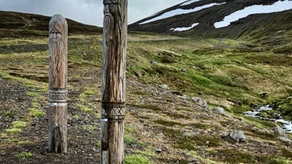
x=58, y=23
x=110, y=1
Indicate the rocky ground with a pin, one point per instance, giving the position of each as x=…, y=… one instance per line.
x=162, y=124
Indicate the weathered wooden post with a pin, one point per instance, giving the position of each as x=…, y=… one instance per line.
x=57, y=113
x=113, y=81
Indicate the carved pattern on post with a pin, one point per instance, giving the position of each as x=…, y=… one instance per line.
x=113, y=111
x=58, y=96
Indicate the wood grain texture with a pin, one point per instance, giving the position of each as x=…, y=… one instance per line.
x=114, y=52
x=57, y=112
x=113, y=81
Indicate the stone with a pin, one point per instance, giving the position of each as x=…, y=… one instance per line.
x=158, y=150
x=219, y=110
x=278, y=130
x=264, y=95
x=138, y=74
x=277, y=115
x=153, y=62
x=236, y=136
x=285, y=139
x=177, y=93
x=200, y=102
x=163, y=86
x=184, y=70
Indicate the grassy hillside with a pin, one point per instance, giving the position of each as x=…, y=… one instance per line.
x=162, y=125
x=19, y=25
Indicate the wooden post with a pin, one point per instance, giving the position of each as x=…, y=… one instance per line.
x=113, y=81
x=57, y=113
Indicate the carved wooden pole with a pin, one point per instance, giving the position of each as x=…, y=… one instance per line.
x=57, y=114
x=113, y=81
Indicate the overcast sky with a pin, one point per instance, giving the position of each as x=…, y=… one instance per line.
x=85, y=11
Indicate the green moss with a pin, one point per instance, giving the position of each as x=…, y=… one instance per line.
x=128, y=129
x=129, y=139
x=19, y=124
x=259, y=123
x=137, y=159
x=89, y=92
x=32, y=94
x=26, y=142
x=89, y=127
x=23, y=155
x=85, y=108
x=3, y=135
x=13, y=130
x=75, y=117
x=36, y=112
x=7, y=77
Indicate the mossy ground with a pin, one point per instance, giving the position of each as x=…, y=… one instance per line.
x=224, y=72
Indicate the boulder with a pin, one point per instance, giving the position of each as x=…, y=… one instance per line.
x=236, y=136
x=278, y=130
x=163, y=86
x=219, y=110
x=200, y=102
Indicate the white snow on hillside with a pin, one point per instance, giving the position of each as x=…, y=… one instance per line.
x=188, y=2
x=184, y=28
x=181, y=11
x=256, y=9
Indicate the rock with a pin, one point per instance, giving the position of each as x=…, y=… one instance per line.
x=184, y=70
x=138, y=74
x=219, y=110
x=177, y=93
x=158, y=150
x=153, y=62
x=277, y=115
x=285, y=139
x=163, y=86
x=278, y=130
x=264, y=95
x=236, y=136
x=200, y=102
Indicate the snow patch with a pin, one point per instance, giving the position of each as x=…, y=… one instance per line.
x=180, y=11
x=184, y=28
x=188, y=2
x=255, y=9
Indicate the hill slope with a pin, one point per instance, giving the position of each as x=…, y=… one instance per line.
x=14, y=24
x=206, y=13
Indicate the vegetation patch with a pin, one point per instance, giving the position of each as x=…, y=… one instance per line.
x=13, y=130
x=85, y=108
x=19, y=124
x=189, y=143
x=23, y=155
x=36, y=112
x=236, y=156
x=137, y=159
x=129, y=139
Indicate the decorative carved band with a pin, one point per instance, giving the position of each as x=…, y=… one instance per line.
x=110, y=2
x=113, y=111
x=58, y=96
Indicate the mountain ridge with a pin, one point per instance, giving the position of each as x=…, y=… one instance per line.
x=208, y=16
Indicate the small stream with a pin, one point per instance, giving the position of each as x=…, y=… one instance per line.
x=286, y=125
